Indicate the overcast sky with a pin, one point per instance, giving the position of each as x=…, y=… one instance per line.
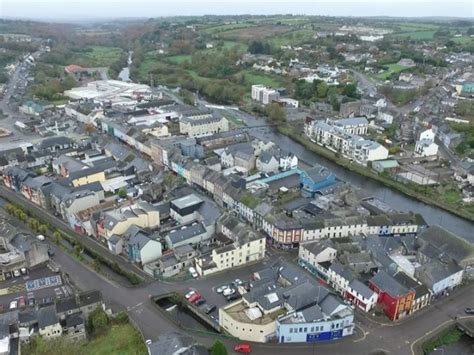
x=89, y=9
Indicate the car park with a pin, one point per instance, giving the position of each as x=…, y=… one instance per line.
x=228, y=292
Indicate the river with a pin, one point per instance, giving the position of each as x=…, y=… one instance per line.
x=124, y=74
x=395, y=199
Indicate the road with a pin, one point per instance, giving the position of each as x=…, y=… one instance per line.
x=87, y=242
x=369, y=337
x=393, y=338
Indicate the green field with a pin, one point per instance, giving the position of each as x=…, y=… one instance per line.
x=99, y=56
x=408, y=27
x=392, y=68
x=253, y=77
x=463, y=40
x=416, y=35
x=226, y=27
x=178, y=59
x=292, y=38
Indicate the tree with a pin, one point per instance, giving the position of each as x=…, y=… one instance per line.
x=275, y=113
x=33, y=224
x=322, y=89
x=89, y=128
x=218, y=348
x=22, y=216
x=122, y=192
x=350, y=90
x=98, y=321
x=43, y=229
x=57, y=236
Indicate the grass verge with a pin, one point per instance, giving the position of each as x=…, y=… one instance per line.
x=447, y=337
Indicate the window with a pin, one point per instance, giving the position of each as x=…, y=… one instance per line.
x=305, y=329
x=301, y=330
x=312, y=329
x=291, y=330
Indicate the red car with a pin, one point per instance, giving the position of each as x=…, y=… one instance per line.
x=243, y=348
x=194, y=297
x=21, y=302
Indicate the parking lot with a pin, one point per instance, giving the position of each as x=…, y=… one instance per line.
x=40, y=285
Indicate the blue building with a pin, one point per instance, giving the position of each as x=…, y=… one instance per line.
x=330, y=319
x=316, y=180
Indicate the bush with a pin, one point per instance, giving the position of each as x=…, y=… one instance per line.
x=98, y=321
x=218, y=348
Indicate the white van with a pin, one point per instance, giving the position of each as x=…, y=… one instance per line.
x=193, y=272
x=40, y=237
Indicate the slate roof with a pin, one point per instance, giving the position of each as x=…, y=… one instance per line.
x=90, y=297
x=66, y=304
x=436, y=270
x=388, y=284
x=47, y=316
x=53, y=141
x=361, y=288
x=179, y=235
x=74, y=320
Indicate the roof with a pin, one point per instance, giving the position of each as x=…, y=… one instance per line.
x=388, y=284
x=47, y=316
x=437, y=270
x=387, y=164
x=341, y=270
x=361, y=288
x=90, y=297
x=355, y=121
x=185, y=233
x=318, y=173
x=173, y=344
x=66, y=304
x=319, y=246
x=53, y=141
x=74, y=320
x=186, y=201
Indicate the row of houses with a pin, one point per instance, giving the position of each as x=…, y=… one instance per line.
x=400, y=275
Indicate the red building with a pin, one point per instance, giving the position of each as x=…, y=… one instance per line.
x=395, y=298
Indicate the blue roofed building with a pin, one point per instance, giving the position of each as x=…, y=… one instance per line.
x=313, y=181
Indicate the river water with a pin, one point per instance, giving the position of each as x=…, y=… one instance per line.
x=124, y=74
x=396, y=200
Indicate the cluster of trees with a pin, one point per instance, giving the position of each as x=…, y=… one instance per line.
x=33, y=223
x=319, y=90
x=259, y=47
x=215, y=64
x=275, y=113
x=52, y=90
x=98, y=322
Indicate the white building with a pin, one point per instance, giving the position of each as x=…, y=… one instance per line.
x=199, y=127
x=350, y=145
x=361, y=295
x=425, y=145
x=264, y=94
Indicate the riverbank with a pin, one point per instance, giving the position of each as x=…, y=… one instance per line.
x=364, y=171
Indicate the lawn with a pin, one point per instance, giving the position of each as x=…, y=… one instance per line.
x=408, y=27
x=253, y=77
x=391, y=68
x=452, y=197
x=178, y=59
x=120, y=339
x=226, y=27
x=416, y=35
x=99, y=56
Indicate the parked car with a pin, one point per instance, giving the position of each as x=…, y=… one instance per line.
x=196, y=296
x=193, y=272
x=189, y=294
x=221, y=288
x=200, y=302
x=237, y=282
x=31, y=302
x=228, y=292
x=40, y=237
x=232, y=297
x=21, y=302
x=16, y=273
x=13, y=304
x=469, y=310
x=23, y=270
x=208, y=308
x=242, y=348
